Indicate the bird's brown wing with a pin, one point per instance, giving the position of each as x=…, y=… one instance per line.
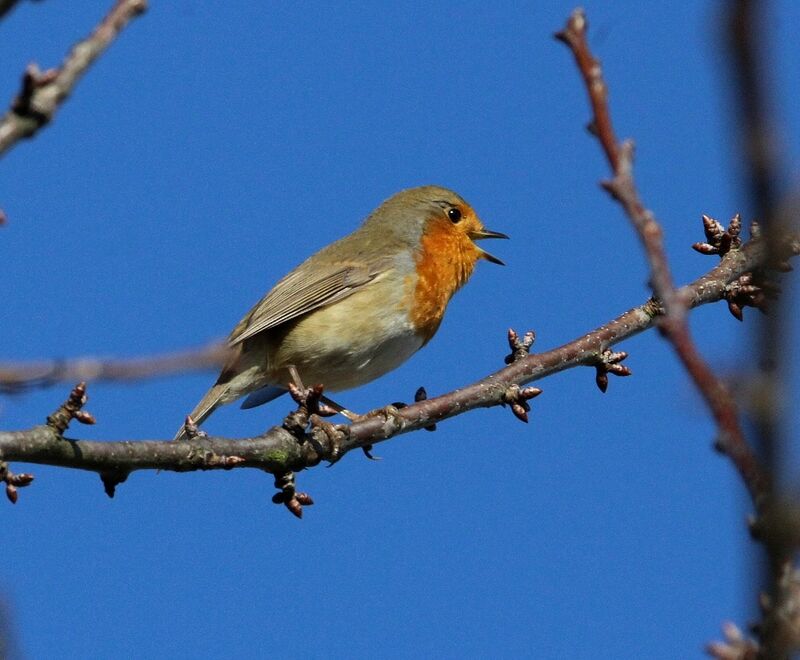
x=302, y=291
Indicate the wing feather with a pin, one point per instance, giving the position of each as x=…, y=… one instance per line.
x=300, y=292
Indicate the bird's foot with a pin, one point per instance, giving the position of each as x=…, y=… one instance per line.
x=312, y=400
x=390, y=413
x=327, y=437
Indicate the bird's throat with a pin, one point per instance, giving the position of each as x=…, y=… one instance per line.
x=444, y=263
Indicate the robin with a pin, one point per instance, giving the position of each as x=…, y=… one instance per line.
x=359, y=307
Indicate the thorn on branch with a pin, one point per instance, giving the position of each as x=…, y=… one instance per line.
x=71, y=409
x=288, y=496
x=720, y=240
x=609, y=362
x=111, y=480
x=520, y=348
x=13, y=481
x=517, y=397
x=735, y=645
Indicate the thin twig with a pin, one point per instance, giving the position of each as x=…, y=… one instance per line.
x=42, y=93
x=623, y=188
x=19, y=376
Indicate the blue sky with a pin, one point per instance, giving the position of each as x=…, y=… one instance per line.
x=215, y=147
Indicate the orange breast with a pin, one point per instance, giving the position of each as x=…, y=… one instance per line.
x=444, y=263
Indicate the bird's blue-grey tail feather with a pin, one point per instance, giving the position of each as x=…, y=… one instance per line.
x=262, y=396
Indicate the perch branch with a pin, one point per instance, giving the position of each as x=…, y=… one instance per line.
x=279, y=450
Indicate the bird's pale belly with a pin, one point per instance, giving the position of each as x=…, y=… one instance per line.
x=347, y=344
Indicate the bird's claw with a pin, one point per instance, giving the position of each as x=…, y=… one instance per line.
x=331, y=443
x=392, y=418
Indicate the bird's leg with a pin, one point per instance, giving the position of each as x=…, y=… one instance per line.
x=353, y=417
x=296, y=380
x=340, y=409
x=390, y=412
x=309, y=399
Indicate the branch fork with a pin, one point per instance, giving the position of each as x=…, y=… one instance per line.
x=751, y=289
x=520, y=348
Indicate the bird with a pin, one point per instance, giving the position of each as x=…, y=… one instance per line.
x=359, y=307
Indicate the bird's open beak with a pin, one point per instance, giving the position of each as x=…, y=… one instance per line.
x=485, y=233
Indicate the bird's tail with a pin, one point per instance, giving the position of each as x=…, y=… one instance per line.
x=214, y=398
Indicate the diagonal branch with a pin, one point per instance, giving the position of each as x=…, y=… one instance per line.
x=622, y=187
x=42, y=93
x=780, y=629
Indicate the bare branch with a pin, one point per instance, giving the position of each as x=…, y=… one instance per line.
x=42, y=93
x=623, y=188
x=290, y=448
x=20, y=376
x=765, y=177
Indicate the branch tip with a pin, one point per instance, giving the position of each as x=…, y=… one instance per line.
x=575, y=29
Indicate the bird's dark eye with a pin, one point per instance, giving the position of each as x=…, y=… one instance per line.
x=454, y=214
